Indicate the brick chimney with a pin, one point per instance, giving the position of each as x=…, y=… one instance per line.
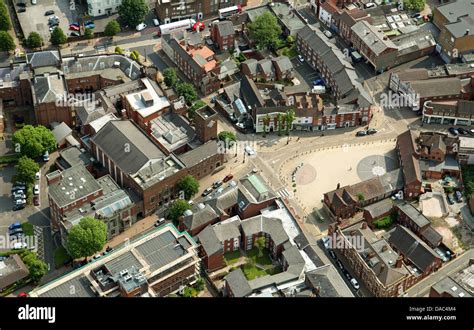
x=399, y=262
x=364, y=225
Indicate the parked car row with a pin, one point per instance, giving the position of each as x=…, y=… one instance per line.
x=369, y=131
x=451, y=197
x=19, y=196
x=460, y=131
x=217, y=185
x=325, y=241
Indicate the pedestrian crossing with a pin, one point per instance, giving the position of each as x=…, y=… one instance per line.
x=284, y=193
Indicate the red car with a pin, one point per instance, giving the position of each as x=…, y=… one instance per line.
x=74, y=27
x=199, y=25
x=228, y=177
x=36, y=201
x=22, y=295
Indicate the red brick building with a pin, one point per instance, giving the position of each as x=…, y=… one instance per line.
x=223, y=35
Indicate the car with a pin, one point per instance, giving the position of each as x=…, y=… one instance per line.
x=254, y=170
x=20, y=245
x=371, y=131
x=36, y=189
x=21, y=4
x=441, y=254
x=37, y=175
x=332, y=254
x=328, y=34
x=249, y=151
x=46, y=156
x=463, y=131
x=22, y=295
x=199, y=25
x=450, y=199
x=97, y=256
x=20, y=201
x=355, y=284
x=340, y=265
x=49, y=13
x=15, y=225
x=141, y=27
x=301, y=58
x=156, y=22
x=74, y=34
x=53, y=18
x=458, y=196
x=108, y=249
x=217, y=184
x=228, y=177
x=18, y=187
x=416, y=15
x=74, y=28
x=15, y=231
x=370, y=5
x=206, y=192
x=36, y=201
x=89, y=26
x=347, y=275
x=453, y=131
x=33, y=2
x=159, y=222
x=325, y=242
x=361, y=133
x=18, y=207
x=21, y=10
x=18, y=195
x=318, y=82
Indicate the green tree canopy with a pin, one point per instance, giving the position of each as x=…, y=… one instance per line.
x=228, y=138
x=118, y=50
x=86, y=238
x=177, y=209
x=415, y=5
x=34, y=141
x=112, y=28
x=260, y=245
x=36, y=266
x=187, y=91
x=26, y=170
x=289, y=118
x=189, y=185
x=88, y=33
x=135, y=55
x=133, y=12
x=170, y=77
x=5, y=22
x=265, y=30
x=58, y=37
x=6, y=42
x=34, y=40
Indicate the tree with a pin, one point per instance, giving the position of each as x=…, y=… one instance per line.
x=290, y=40
x=133, y=12
x=88, y=33
x=34, y=40
x=260, y=245
x=26, y=170
x=279, y=123
x=112, y=28
x=118, y=50
x=86, y=238
x=34, y=141
x=415, y=5
x=6, y=42
x=228, y=138
x=170, y=77
x=187, y=91
x=265, y=30
x=177, y=209
x=36, y=267
x=199, y=285
x=5, y=22
x=289, y=117
x=58, y=37
x=360, y=197
x=135, y=55
x=189, y=185
x=266, y=122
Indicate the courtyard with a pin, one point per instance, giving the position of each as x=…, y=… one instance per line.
x=252, y=265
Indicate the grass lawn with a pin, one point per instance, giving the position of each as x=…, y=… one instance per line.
x=27, y=228
x=252, y=271
x=60, y=257
x=232, y=257
x=288, y=51
x=264, y=260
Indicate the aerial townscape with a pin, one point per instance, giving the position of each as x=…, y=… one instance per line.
x=236, y=148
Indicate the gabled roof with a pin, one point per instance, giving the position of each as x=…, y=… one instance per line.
x=201, y=215
x=262, y=224
x=409, y=163
x=42, y=59
x=209, y=241
x=61, y=131
x=119, y=134
x=412, y=248
x=373, y=37
x=238, y=283
x=283, y=63
x=225, y=28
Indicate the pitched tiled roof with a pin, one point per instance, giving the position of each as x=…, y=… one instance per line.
x=409, y=163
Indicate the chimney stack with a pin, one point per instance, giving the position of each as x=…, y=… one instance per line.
x=399, y=262
x=384, y=248
x=364, y=225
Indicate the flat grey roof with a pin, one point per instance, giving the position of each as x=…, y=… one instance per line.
x=77, y=287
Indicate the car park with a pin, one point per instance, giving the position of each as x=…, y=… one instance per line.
x=361, y=133
x=206, y=192
x=355, y=284
x=141, y=27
